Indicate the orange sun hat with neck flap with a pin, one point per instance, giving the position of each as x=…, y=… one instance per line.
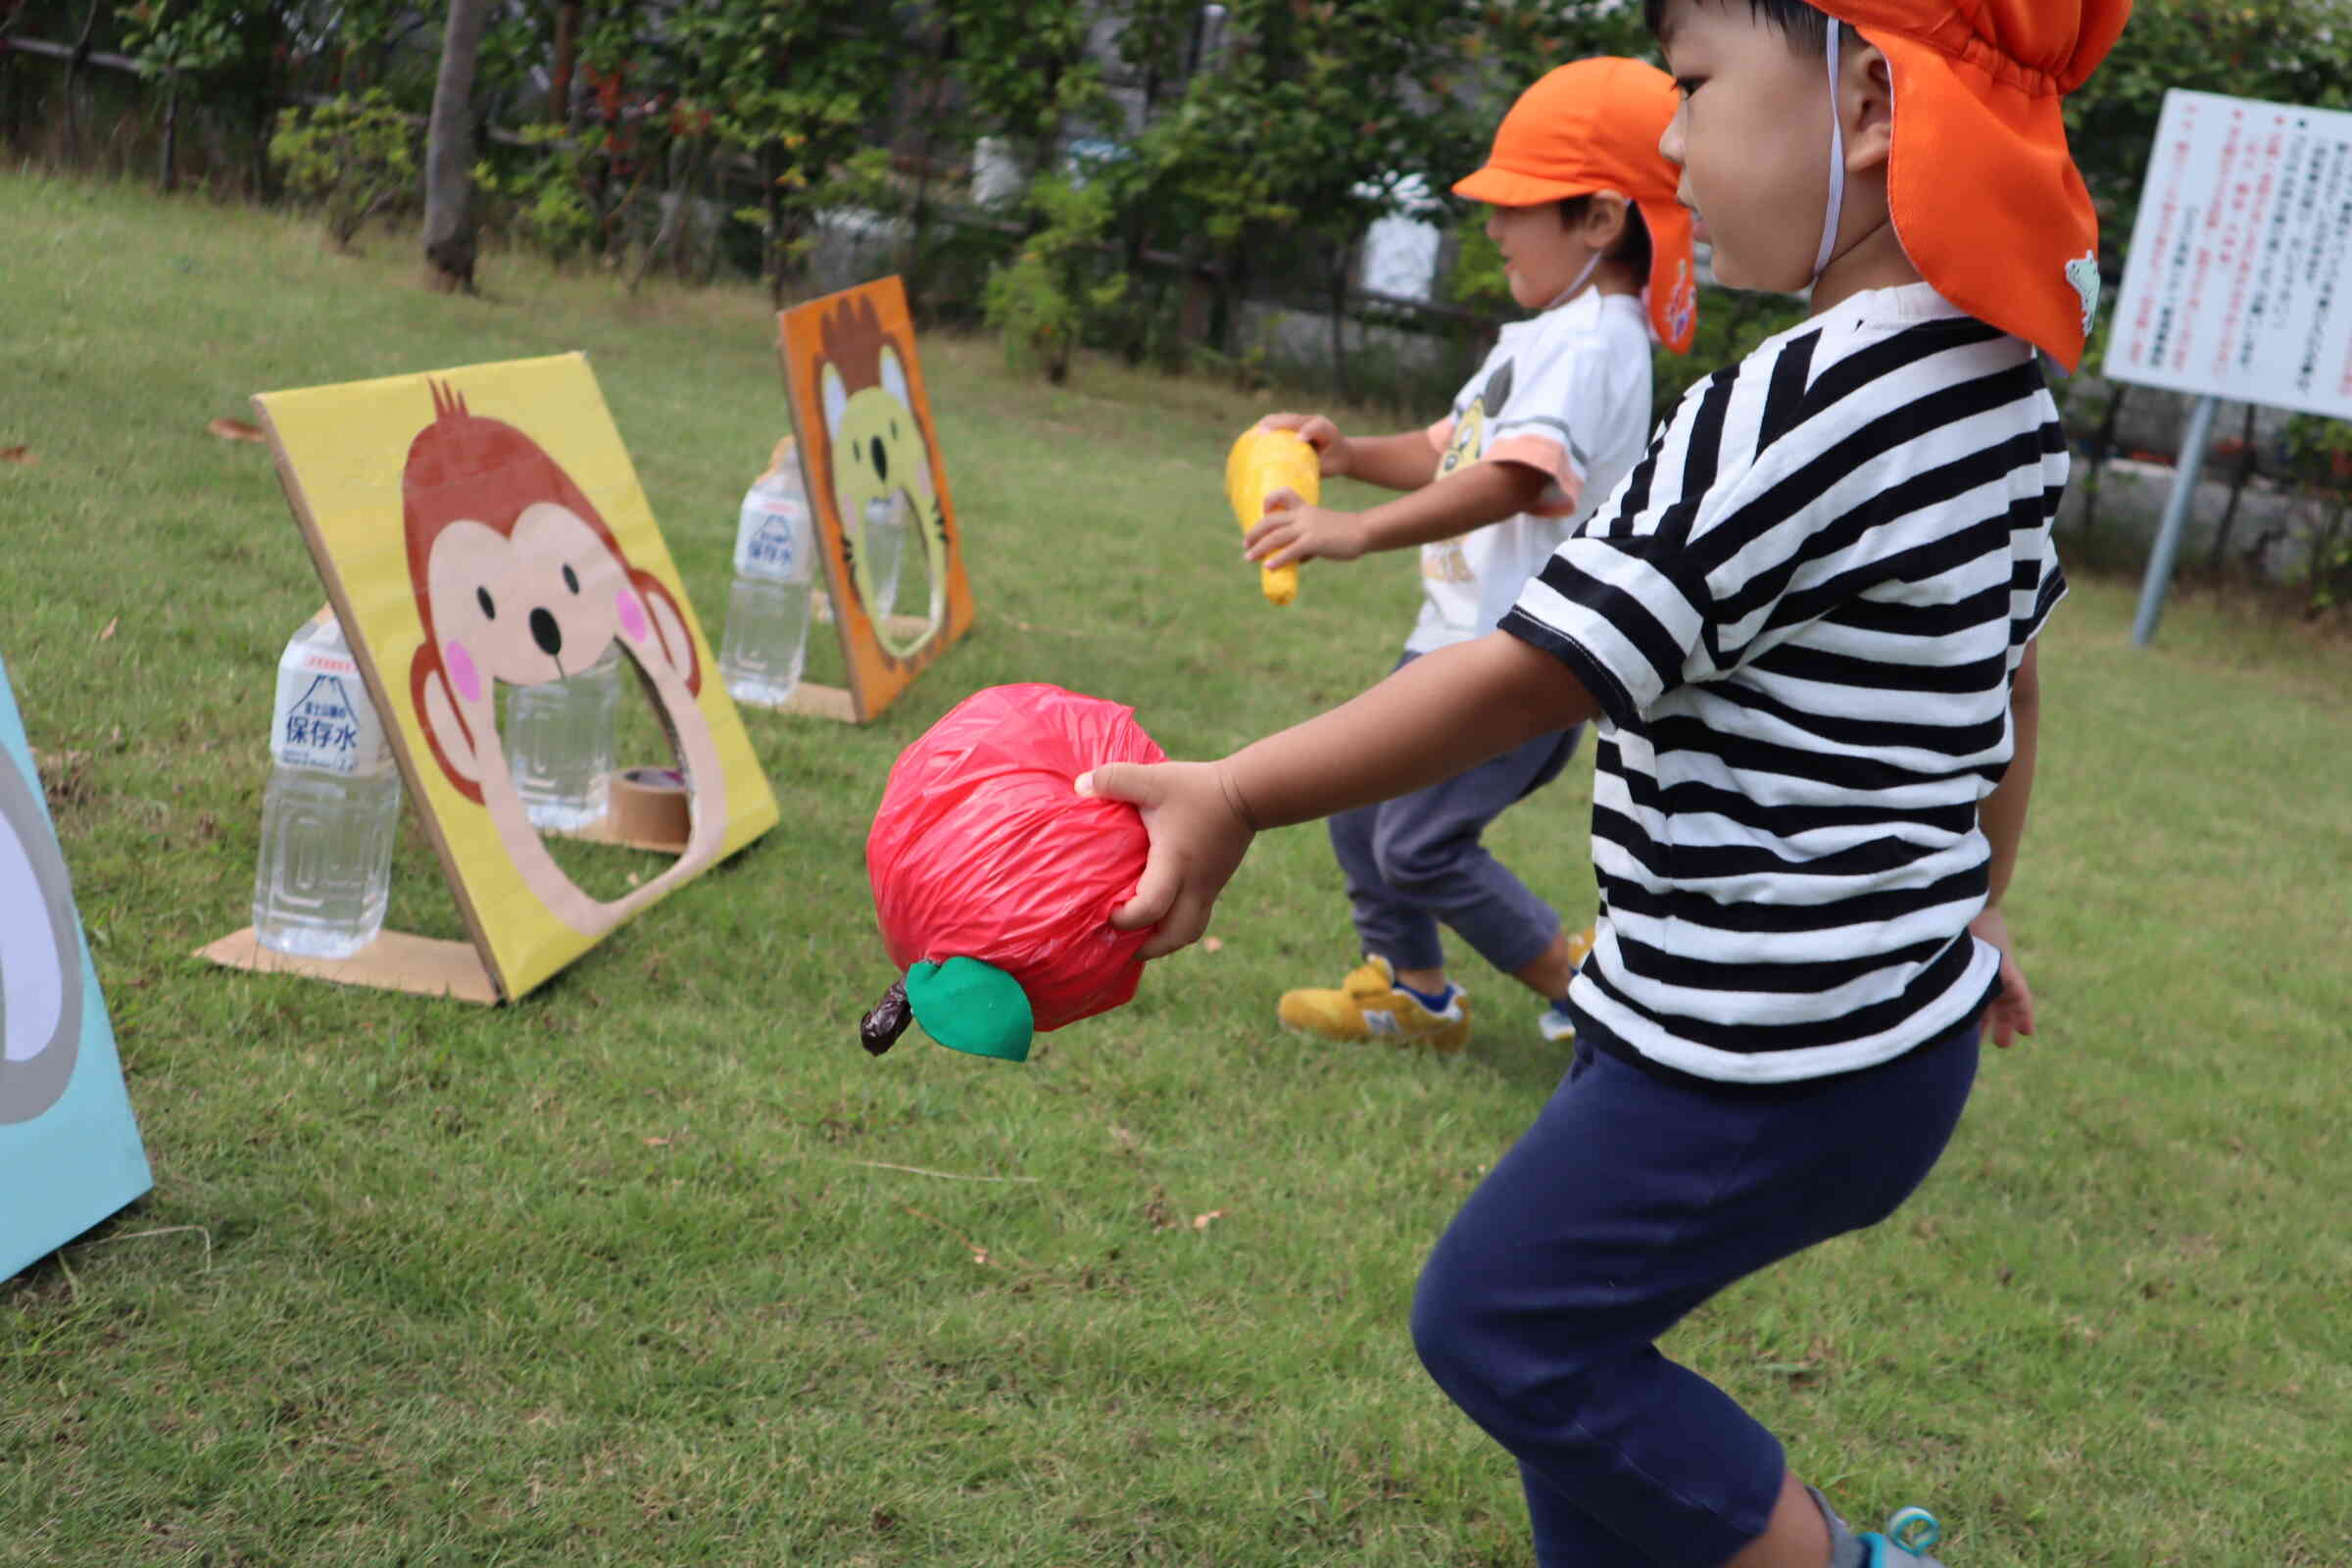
x=1594, y=125
x=1986, y=197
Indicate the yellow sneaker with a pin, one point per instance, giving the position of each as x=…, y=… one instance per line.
x=1370, y=1006
x=1553, y=1021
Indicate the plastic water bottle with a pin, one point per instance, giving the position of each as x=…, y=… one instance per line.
x=767, y=644
x=331, y=806
x=560, y=739
x=885, y=550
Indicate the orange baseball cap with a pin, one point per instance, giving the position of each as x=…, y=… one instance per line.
x=1986, y=196
x=1594, y=125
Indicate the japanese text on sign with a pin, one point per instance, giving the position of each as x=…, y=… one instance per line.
x=2237, y=283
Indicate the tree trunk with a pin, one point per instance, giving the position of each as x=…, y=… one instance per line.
x=448, y=234
x=11, y=84
x=771, y=170
x=74, y=64
x=559, y=74
x=931, y=104
x=170, y=135
x=666, y=224
x=264, y=120
x=1338, y=286
x=681, y=233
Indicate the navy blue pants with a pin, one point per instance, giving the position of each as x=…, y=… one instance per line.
x=1630, y=1202
x=1417, y=861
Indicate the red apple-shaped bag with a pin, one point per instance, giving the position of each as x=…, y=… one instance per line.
x=995, y=879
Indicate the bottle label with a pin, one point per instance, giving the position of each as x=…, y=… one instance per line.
x=769, y=541
x=323, y=720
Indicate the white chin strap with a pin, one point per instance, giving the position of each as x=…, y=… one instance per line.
x=1569, y=292
x=1836, y=209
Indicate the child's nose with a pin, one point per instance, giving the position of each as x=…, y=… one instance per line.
x=1669, y=144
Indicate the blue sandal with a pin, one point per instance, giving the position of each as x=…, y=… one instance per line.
x=1911, y=1533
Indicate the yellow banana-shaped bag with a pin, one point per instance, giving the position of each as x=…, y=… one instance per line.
x=1261, y=462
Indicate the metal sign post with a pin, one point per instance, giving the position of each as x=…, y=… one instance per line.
x=2159, y=579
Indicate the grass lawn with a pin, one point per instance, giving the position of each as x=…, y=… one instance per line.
x=659, y=1267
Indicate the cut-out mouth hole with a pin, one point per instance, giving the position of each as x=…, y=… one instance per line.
x=597, y=773
x=898, y=558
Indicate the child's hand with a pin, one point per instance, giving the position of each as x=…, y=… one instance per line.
x=1294, y=531
x=2011, y=1013
x=1318, y=433
x=1199, y=834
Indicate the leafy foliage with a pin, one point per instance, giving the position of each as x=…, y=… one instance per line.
x=2319, y=453
x=543, y=198
x=1044, y=300
x=793, y=87
x=1024, y=67
x=2279, y=51
x=1254, y=152
x=352, y=157
x=171, y=43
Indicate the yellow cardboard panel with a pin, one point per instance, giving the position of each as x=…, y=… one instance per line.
x=484, y=525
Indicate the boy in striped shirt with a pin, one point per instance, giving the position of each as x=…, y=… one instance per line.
x=1805, y=623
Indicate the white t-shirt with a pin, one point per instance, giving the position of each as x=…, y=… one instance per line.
x=1566, y=392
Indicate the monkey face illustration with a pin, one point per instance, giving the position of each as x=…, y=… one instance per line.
x=40, y=958
x=517, y=579
x=532, y=606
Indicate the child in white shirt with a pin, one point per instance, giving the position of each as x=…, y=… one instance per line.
x=1585, y=217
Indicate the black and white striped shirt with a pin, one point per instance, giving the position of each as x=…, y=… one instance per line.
x=1801, y=615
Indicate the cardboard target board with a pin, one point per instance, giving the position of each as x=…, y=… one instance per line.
x=70, y=1152
x=877, y=488
x=480, y=527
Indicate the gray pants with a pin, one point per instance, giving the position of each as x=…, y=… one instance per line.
x=1415, y=862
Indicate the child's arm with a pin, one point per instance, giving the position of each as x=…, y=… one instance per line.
x=1465, y=499
x=1436, y=718
x=2002, y=817
x=1402, y=461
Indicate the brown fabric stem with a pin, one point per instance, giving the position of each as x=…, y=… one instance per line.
x=880, y=1028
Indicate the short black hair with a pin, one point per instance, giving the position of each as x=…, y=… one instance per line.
x=1633, y=241
x=1806, y=28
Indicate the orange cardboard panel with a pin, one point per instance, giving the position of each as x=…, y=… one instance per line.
x=877, y=485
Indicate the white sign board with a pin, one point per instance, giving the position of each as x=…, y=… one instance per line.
x=2239, y=282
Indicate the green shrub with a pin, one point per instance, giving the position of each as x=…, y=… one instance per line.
x=540, y=196
x=352, y=157
x=1044, y=301
x=2319, y=457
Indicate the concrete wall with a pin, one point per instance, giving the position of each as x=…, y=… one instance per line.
x=2273, y=534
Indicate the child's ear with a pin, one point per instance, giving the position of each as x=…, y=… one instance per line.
x=1868, y=105
x=1605, y=221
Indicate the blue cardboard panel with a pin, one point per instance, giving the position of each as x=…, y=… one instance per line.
x=70, y=1152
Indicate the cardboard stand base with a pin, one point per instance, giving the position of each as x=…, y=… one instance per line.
x=422, y=966
x=816, y=701
x=648, y=811
x=834, y=701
